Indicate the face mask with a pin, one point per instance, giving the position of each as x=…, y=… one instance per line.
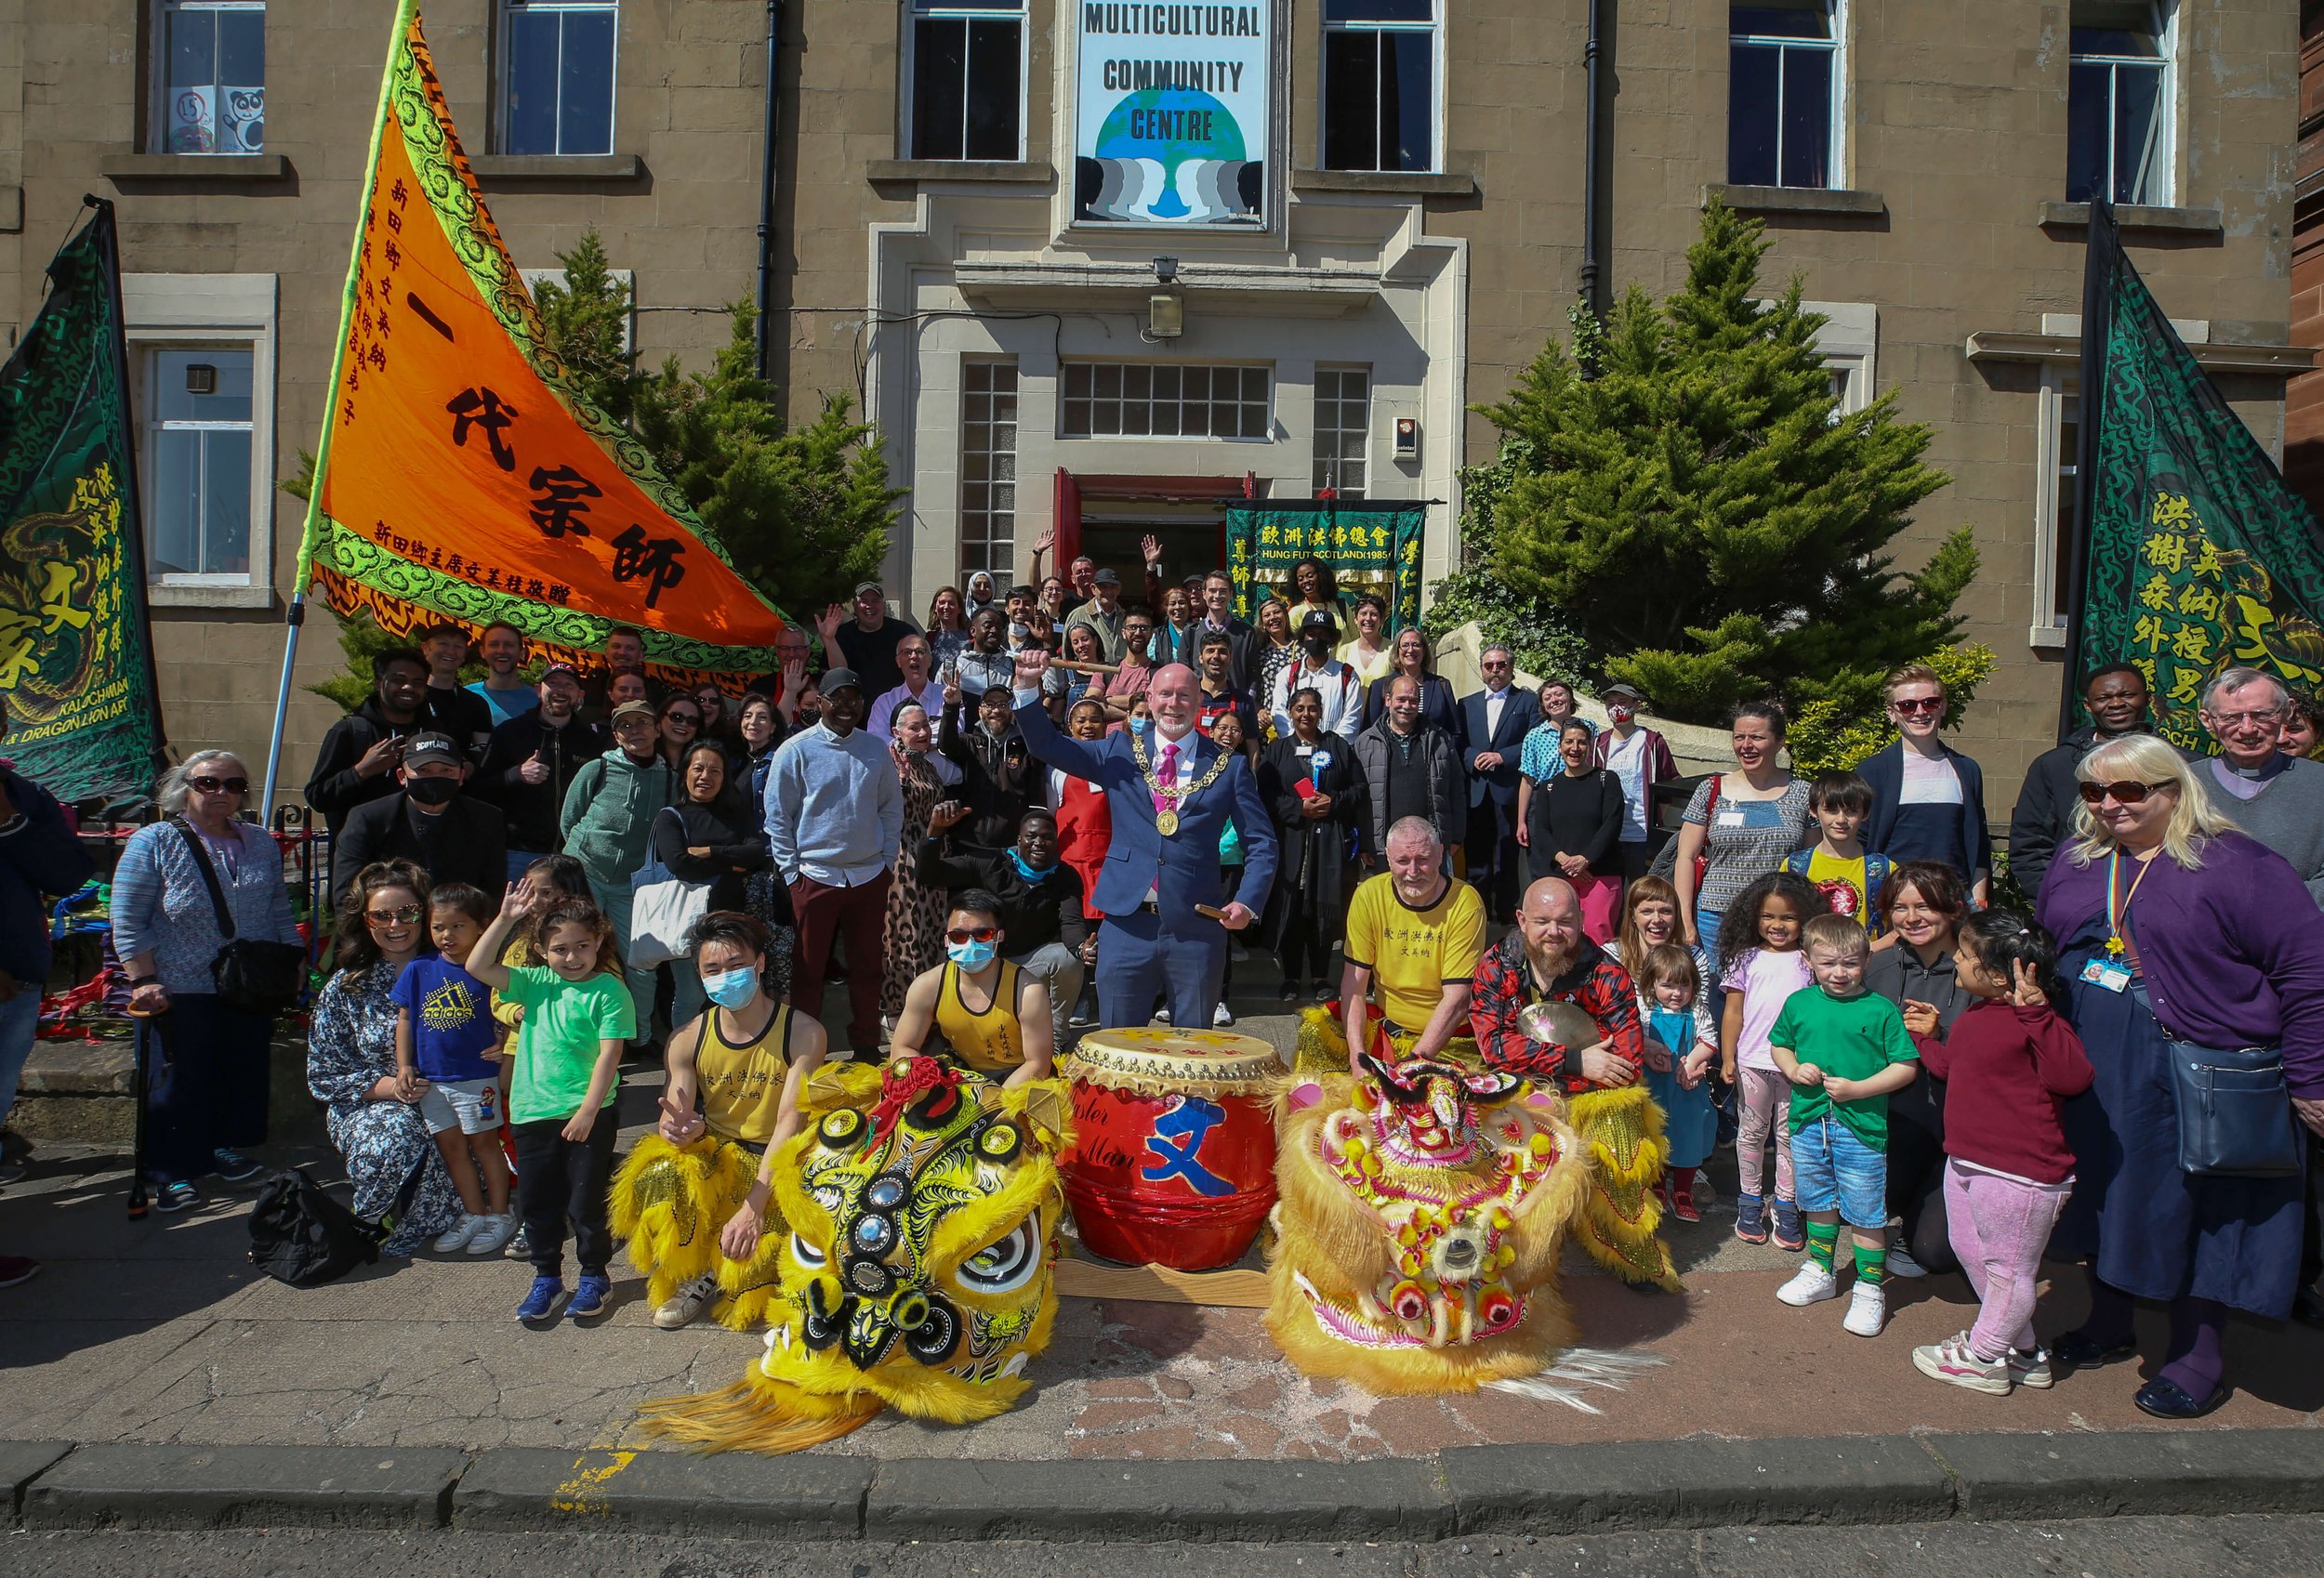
x=432, y=790
x=970, y=955
x=1018, y=631
x=1316, y=646
x=731, y=989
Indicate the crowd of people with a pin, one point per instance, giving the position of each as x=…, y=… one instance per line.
x=1053, y=808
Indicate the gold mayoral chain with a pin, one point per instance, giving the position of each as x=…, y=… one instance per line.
x=1166, y=820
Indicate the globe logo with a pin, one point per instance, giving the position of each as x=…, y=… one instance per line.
x=1169, y=128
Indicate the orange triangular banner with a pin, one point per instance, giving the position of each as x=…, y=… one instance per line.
x=461, y=476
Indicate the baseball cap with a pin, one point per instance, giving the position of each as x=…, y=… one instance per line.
x=564, y=669
x=1613, y=691
x=863, y=586
x=1109, y=578
x=838, y=680
x=1319, y=619
x=431, y=747
x=633, y=709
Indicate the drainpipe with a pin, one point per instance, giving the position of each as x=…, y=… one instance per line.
x=1598, y=125
x=764, y=338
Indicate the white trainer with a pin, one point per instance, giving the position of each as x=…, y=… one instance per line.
x=1902, y=1264
x=455, y=1237
x=1809, y=1284
x=493, y=1236
x=688, y=1301
x=1221, y=1016
x=1957, y=1364
x=1868, y=1310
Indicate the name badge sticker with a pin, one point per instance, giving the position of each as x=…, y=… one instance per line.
x=1730, y=818
x=2106, y=974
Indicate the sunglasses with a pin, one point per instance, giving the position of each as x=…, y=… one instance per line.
x=403, y=916
x=972, y=934
x=1910, y=705
x=2128, y=793
x=231, y=785
x=688, y=719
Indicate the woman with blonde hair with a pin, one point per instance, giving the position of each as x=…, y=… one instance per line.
x=2188, y=944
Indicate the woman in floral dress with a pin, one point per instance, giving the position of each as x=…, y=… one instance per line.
x=351, y=1056
x=914, y=936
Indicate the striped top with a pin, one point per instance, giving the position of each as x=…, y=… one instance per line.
x=161, y=904
x=1746, y=839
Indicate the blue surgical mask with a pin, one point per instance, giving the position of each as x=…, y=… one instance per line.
x=731, y=989
x=970, y=955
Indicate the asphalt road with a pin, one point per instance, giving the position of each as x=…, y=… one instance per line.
x=2120, y=1547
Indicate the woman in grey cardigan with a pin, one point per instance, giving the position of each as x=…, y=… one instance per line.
x=208, y=1101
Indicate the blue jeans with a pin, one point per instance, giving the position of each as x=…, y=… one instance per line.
x=1833, y=1170
x=19, y=1017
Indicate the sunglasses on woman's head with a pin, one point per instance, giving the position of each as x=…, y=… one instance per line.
x=972, y=934
x=1919, y=704
x=231, y=785
x=2125, y=793
x=405, y=915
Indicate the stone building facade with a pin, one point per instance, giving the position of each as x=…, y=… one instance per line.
x=964, y=243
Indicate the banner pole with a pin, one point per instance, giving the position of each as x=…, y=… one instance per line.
x=2101, y=251
x=296, y=617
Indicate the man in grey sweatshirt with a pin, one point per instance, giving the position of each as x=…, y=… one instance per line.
x=2276, y=798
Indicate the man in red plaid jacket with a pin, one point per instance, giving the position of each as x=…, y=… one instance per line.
x=1547, y=957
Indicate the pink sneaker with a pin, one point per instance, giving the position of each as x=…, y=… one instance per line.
x=1956, y=1363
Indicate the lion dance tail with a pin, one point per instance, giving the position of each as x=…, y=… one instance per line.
x=759, y=1414
x=1622, y=1134
x=668, y=1204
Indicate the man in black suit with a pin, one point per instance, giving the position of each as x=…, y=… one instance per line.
x=450, y=836
x=1496, y=719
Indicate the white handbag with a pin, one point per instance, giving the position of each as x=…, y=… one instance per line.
x=663, y=909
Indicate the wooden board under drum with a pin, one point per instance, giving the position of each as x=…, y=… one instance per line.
x=1233, y=1288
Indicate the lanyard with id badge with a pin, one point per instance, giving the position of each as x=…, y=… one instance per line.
x=2112, y=972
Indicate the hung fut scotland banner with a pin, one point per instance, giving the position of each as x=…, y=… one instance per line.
x=2193, y=556
x=461, y=476
x=76, y=656
x=1370, y=546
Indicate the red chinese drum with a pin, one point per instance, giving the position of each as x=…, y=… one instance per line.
x=1173, y=1160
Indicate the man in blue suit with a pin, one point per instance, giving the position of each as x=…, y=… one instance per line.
x=1171, y=793
x=1495, y=720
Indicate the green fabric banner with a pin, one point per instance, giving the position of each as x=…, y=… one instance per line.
x=2196, y=557
x=1370, y=547
x=76, y=661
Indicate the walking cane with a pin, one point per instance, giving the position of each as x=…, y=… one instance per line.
x=136, y=1147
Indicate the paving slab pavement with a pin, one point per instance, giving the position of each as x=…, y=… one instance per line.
x=160, y=1332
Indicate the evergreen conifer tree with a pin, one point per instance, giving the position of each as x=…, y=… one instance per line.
x=1715, y=526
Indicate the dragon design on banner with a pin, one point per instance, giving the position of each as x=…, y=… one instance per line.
x=1422, y=1210
x=914, y=1270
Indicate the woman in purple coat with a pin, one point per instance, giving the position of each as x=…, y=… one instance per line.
x=2174, y=927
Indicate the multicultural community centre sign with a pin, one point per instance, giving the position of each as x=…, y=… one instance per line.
x=1172, y=118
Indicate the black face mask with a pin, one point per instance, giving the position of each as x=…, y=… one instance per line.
x=432, y=790
x=1316, y=646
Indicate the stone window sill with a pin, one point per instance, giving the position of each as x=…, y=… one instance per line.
x=558, y=169
x=164, y=594
x=2133, y=217
x=1796, y=200
x=992, y=172
x=194, y=167
x=1394, y=183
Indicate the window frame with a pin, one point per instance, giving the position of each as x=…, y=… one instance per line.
x=158, y=88
x=1317, y=463
x=2163, y=20
x=209, y=311
x=1434, y=31
x=503, y=41
x=1066, y=400
x=907, y=57
x=1000, y=554
x=1836, y=118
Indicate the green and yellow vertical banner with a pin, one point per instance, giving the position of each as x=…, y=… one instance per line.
x=76, y=653
x=2192, y=555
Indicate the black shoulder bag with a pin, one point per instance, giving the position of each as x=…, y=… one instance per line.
x=257, y=978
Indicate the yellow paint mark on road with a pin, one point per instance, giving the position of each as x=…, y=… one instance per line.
x=575, y=1496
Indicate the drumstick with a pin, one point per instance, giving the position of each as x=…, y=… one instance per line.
x=1211, y=909
x=1081, y=667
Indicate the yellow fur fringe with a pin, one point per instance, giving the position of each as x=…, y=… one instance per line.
x=758, y=1416
x=1321, y=1050
x=1621, y=1134
x=670, y=1201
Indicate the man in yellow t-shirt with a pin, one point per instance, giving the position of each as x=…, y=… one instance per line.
x=1417, y=933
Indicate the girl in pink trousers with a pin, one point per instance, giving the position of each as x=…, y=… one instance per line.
x=2009, y=1063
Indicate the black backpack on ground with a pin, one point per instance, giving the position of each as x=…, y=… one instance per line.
x=299, y=1235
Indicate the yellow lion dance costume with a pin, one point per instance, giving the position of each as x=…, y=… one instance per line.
x=915, y=1268
x=1418, y=1233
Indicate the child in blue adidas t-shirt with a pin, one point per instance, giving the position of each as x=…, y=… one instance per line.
x=446, y=1049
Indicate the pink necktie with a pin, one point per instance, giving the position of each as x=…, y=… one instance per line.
x=1166, y=774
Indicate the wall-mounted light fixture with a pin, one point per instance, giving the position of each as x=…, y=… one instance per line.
x=1165, y=309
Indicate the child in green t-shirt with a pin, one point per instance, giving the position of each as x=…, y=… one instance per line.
x=577, y=1016
x=1849, y=879
x=1844, y=1049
